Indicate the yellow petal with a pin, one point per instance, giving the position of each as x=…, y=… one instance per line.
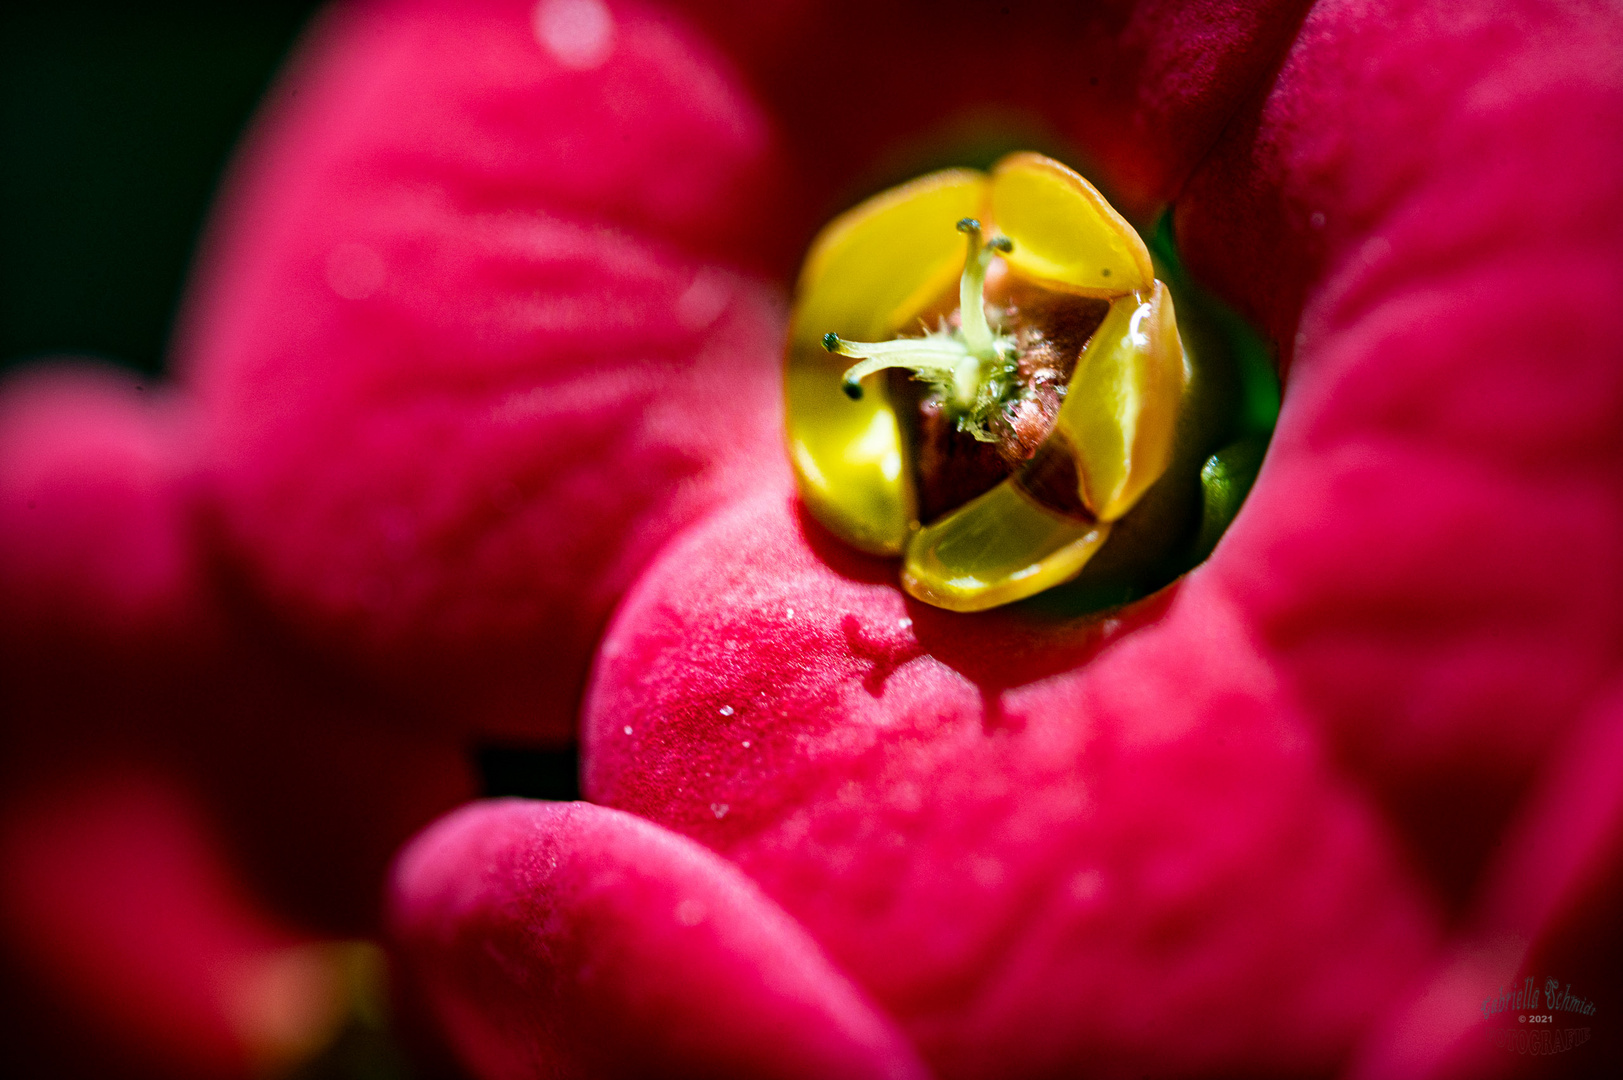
x=869, y=274
x=1000, y=547
x=848, y=461
x=1121, y=409
x=1065, y=234
x=876, y=266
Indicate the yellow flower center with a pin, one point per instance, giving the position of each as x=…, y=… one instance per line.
x=1108, y=435
x=970, y=366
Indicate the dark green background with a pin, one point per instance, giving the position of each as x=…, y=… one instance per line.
x=116, y=121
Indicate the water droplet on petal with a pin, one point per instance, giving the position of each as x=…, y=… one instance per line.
x=628, y=729
x=719, y=809
x=726, y=710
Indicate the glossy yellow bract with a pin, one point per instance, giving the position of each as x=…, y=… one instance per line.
x=1122, y=405
x=872, y=273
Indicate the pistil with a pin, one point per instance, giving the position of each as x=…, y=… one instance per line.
x=977, y=333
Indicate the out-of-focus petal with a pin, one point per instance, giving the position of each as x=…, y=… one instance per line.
x=123, y=643
x=473, y=339
x=1424, y=208
x=118, y=900
x=172, y=771
x=1548, y=910
x=564, y=939
x=1142, y=90
x=94, y=539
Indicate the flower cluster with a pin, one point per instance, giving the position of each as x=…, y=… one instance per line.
x=475, y=437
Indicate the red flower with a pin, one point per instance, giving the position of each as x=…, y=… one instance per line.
x=487, y=344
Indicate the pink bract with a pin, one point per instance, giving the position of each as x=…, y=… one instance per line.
x=1016, y=852
x=1028, y=861
x=484, y=352
x=468, y=354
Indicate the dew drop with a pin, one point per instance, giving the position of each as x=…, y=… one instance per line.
x=726, y=710
x=746, y=744
x=628, y=729
x=719, y=809
x=905, y=623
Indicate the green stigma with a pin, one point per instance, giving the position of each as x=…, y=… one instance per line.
x=968, y=365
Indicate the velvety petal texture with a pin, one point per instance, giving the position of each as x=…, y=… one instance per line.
x=483, y=358
x=1418, y=607
x=564, y=939
x=474, y=340
x=1031, y=867
x=1424, y=209
x=1140, y=91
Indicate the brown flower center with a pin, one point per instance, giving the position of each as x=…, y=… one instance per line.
x=950, y=465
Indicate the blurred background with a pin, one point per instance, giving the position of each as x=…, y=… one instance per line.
x=116, y=123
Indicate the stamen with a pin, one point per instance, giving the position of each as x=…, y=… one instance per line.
x=927, y=356
x=960, y=363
